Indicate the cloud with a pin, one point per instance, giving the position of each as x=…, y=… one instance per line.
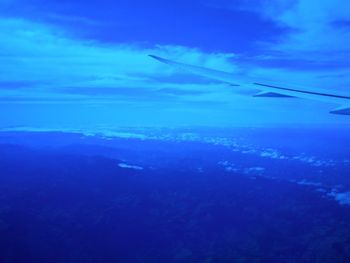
x=316, y=33
x=342, y=198
x=57, y=62
x=318, y=29
x=129, y=166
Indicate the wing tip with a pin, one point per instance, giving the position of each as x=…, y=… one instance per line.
x=159, y=58
x=153, y=56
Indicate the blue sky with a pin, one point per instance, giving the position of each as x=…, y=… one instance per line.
x=85, y=62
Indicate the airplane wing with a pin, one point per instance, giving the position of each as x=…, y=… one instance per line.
x=267, y=89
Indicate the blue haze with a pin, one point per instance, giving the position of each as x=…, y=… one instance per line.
x=107, y=155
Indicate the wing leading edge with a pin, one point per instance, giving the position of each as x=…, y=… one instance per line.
x=267, y=90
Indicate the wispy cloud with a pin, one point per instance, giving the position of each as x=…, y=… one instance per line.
x=318, y=29
x=56, y=61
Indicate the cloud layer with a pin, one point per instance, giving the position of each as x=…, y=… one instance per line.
x=46, y=61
